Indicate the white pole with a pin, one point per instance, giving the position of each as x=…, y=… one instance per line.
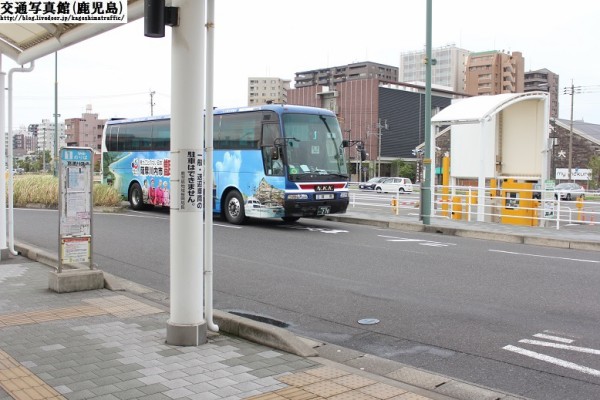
x=11, y=225
x=186, y=325
x=208, y=203
x=3, y=248
x=481, y=178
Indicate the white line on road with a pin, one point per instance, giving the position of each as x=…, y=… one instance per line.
x=422, y=242
x=561, y=346
x=555, y=338
x=542, y=256
x=553, y=360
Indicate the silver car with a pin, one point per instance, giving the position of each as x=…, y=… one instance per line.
x=568, y=191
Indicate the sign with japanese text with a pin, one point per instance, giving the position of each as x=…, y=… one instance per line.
x=191, y=190
x=75, y=205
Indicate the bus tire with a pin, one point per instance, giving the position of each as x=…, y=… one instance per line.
x=234, y=208
x=290, y=219
x=136, y=196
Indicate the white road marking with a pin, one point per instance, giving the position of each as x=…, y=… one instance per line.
x=561, y=346
x=555, y=338
x=543, y=256
x=418, y=241
x=553, y=360
x=314, y=229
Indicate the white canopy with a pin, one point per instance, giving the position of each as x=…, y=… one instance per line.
x=480, y=108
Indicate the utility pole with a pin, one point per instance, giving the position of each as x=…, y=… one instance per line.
x=572, y=93
x=379, y=127
x=152, y=93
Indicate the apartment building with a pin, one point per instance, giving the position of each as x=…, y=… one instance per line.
x=494, y=72
x=266, y=90
x=545, y=81
x=85, y=131
x=448, y=71
x=331, y=76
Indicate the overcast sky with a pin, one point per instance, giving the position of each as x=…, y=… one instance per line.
x=116, y=71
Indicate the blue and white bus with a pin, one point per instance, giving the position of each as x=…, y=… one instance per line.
x=272, y=161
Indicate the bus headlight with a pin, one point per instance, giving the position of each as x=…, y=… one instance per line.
x=298, y=196
x=343, y=195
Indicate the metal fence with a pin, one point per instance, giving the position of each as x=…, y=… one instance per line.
x=516, y=206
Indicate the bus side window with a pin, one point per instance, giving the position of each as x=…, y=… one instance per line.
x=161, y=135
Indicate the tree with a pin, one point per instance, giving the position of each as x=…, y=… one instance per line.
x=404, y=169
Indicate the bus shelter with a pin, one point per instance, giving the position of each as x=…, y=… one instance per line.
x=497, y=137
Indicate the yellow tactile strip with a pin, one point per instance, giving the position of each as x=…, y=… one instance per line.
x=119, y=306
x=21, y=384
x=335, y=384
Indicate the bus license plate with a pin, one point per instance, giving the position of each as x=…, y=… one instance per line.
x=327, y=196
x=323, y=210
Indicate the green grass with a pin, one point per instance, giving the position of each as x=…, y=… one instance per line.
x=43, y=190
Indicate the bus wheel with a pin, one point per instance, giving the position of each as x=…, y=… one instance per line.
x=136, y=199
x=290, y=219
x=234, y=208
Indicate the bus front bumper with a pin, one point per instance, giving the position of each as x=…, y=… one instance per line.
x=315, y=208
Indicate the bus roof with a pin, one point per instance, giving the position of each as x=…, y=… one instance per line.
x=278, y=108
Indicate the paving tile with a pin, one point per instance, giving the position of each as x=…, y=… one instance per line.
x=327, y=372
x=381, y=391
x=325, y=388
x=353, y=381
x=300, y=379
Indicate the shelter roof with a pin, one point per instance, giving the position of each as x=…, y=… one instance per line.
x=480, y=108
x=24, y=43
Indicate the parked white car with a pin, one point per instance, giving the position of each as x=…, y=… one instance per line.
x=394, y=185
x=568, y=191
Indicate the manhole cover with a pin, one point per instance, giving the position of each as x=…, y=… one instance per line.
x=368, y=321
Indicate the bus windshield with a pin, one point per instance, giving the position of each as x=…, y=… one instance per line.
x=313, y=146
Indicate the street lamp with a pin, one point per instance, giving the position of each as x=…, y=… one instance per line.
x=571, y=91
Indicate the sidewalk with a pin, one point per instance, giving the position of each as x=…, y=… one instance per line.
x=103, y=344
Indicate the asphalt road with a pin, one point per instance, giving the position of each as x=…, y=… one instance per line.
x=521, y=319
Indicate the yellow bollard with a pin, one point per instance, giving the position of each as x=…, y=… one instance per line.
x=394, y=204
x=456, y=208
x=579, y=205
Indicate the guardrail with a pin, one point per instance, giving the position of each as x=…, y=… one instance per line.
x=517, y=207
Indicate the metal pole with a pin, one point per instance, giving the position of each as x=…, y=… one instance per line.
x=426, y=194
x=379, y=148
x=571, y=131
x=55, y=163
x=44, y=152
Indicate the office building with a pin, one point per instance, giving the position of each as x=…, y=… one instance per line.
x=448, y=70
x=85, y=131
x=494, y=72
x=267, y=90
x=545, y=81
x=331, y=76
